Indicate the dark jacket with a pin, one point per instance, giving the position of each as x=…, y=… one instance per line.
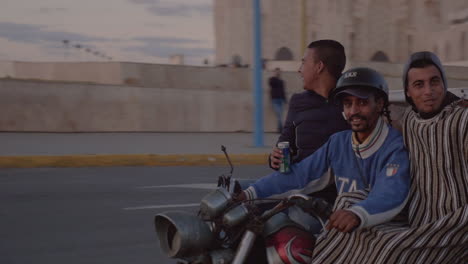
x=311, y=120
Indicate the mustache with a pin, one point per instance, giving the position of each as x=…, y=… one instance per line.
x=358, y=116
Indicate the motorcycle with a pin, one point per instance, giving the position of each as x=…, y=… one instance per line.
x=226, y=230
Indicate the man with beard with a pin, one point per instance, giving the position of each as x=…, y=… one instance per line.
x=435, y=130
x=369, y=157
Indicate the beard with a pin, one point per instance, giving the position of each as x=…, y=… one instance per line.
x=361, y=126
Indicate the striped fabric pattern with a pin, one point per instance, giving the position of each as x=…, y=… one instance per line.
x=438, y=153
x=437, y=227
x=371, y=141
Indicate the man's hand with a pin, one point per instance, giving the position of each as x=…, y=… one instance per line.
x=240, y=197
x=275, y=158
x=343, y=221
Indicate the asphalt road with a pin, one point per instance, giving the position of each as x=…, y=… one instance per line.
x=96, y=215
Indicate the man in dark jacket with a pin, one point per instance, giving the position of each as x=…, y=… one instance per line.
x=312, y=117
x=278, y=96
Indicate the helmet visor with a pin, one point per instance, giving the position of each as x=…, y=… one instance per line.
x=361, y=92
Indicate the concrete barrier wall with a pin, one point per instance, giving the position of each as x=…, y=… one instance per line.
x=188, y=77
x=32, y=106
x=7, y=69
x=131, y=97
x=70, y=107
x=145, y=97
x=139, y=75
x=91, y=72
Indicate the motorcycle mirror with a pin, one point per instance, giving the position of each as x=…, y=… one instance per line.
x=223, y=149
x=225, y=180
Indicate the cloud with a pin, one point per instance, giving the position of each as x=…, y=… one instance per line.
x=51, y=10
x=168, y=41
x=175, y=9
x=180, y=10
x=164, y=47
x=27, y=33
x=144, y=1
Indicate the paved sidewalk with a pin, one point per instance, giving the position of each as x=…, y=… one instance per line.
x=129, y=149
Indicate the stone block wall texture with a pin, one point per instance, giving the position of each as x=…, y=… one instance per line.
x=69, y=107
x=395, y=28
x=126, y=97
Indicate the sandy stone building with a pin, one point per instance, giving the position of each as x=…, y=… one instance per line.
x=370, y=30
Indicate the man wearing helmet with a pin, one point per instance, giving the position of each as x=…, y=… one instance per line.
x=370, y=157
x=435, y=133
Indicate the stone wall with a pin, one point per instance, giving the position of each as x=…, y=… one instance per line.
x=190, y=77
x=81, y=107
x=143, y=97
x=93, y=72
x=392, y=29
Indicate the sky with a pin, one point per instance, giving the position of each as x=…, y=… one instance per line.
x=146, y=31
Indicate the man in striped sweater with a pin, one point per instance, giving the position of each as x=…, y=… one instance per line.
x=435, y=130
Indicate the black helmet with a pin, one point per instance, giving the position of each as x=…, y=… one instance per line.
x=354, y=80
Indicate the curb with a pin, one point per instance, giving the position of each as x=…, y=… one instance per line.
x=76, y=161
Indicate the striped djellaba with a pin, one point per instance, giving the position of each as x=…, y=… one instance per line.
x=436, y=227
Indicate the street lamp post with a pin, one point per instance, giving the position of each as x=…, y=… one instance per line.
x=257, y=72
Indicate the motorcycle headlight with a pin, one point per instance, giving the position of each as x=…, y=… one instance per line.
x=215, y=202
x=182, y=234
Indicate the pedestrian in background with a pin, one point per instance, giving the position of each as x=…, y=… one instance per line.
x=278, y=97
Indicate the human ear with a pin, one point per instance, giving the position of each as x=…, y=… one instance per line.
x=407, y=93
x=321, y=66
x=380, y=104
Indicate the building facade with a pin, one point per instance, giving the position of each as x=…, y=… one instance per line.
x=370, y=30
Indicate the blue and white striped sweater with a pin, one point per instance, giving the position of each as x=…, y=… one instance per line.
x=382, y=161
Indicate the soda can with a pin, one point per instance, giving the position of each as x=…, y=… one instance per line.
x=284, y=165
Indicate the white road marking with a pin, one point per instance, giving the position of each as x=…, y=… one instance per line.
x=162, y=206
x=210, y=186
x=204, y=186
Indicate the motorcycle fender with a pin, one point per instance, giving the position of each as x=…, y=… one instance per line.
x=286, y=242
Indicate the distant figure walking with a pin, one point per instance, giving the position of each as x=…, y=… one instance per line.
x=278, y=97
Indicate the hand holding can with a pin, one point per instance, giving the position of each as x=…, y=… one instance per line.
x=275, y=158
x=285, y=161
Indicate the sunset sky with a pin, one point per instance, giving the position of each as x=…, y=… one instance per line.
x=126, y=30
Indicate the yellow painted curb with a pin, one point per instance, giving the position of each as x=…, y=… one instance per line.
x=74, y=161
